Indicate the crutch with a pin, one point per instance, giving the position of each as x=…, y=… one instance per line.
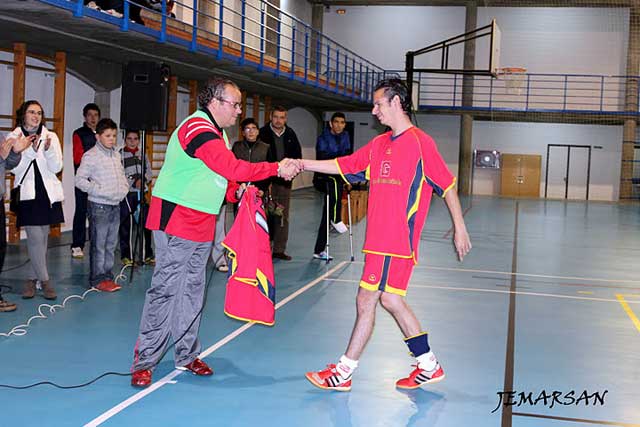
x=350, y=223
x=328, y=260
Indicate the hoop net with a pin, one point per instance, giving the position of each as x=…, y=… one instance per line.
x=514, y=78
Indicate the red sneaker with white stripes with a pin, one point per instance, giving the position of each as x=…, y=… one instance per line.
x=329, y=379
x=419, y=377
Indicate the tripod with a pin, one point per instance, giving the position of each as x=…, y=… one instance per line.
x=138, y=236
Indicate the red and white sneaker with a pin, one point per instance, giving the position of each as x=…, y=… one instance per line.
x=329, y=379
x=419, y=377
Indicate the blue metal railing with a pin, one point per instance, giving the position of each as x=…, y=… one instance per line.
x=257, y=34
x=532, y=92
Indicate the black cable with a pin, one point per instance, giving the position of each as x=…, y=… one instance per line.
x=120, y=374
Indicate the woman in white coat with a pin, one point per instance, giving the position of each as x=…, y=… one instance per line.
x=41, y=192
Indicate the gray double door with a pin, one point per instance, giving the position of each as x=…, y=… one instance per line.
x=568, y=172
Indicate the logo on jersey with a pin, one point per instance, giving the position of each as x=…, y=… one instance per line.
x=385, y=169
x=372, y=278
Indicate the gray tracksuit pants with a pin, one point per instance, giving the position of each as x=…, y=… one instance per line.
x=172, y=302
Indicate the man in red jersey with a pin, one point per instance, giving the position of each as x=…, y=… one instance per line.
x=198, y=173
x=404, y=168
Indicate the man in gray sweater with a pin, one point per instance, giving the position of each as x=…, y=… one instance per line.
x=10, y=156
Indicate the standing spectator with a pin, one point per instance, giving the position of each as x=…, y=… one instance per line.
x=251, y=149
x=332, y=143
x=283, y=143
x=101, y=176
x=41, y=192
x=10, y=156
x=132, y=162
x=84, y=138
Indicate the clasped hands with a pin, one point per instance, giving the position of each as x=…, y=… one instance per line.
x=290, y=168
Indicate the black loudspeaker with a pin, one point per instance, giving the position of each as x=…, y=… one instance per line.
x=487, y=159
x=145, y=96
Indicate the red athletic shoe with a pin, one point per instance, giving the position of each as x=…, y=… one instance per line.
x=197, y=367
x=329, y=379
x=108, y=286
x=141, y=378
x=420, y=377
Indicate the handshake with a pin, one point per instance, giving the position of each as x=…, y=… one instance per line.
x=290, y=168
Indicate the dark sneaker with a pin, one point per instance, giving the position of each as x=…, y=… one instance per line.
x=29, y=289
x=281, y=255
x=6, y=306
x=48, y=291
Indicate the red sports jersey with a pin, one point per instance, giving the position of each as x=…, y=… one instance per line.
x=398, y=169
x=251, y=291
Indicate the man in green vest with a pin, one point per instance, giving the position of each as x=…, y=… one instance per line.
x=198, y=173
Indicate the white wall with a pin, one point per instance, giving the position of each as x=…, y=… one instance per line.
x=305, y=125
x=562, y=40
x=544, y=40
x=397, y=29
x=533, y=138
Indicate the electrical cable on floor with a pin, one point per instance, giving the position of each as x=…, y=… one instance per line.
x=21, y=330
x=121, y=374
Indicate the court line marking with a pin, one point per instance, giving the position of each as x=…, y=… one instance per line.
x=628, y=310
x=508, y=273
x=498, y=291
x=168, y=379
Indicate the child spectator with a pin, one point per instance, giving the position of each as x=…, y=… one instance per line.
x=132, y=162
x=102, y=177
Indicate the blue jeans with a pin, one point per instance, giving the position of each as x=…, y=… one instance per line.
x=104, y=220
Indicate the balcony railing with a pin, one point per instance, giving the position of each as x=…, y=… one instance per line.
x=253, y=33
x=529, y=92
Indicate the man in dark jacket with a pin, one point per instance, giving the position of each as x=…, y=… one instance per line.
x=333, y=142
x=84, y=138
x=283, y=143
x=252, y=149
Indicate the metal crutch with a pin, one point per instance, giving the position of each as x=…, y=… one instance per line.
x=350, y=223
x=327, y=215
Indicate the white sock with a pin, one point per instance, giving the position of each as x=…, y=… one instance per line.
x=346, y=366
x=427, y=361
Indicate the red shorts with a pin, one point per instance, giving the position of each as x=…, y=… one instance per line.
x=386, y=273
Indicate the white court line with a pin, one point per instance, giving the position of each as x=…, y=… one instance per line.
x=169, y=377
x=509, y=273
x=498, y=291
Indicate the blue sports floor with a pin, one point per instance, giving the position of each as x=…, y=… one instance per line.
x=547, y=301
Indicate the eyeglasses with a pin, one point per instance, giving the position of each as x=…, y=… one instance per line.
x=251, y=129
x=36, y=112
x=235, y=105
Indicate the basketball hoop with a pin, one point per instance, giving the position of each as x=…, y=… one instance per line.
x=514, y=78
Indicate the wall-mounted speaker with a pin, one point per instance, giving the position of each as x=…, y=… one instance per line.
x=145, y=96
x=487, y=159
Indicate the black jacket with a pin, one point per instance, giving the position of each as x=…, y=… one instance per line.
x=292, y=149
x=258, y=152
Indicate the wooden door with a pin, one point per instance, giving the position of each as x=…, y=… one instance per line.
x=520, y=175
x=530, y=173
x=510, y=172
